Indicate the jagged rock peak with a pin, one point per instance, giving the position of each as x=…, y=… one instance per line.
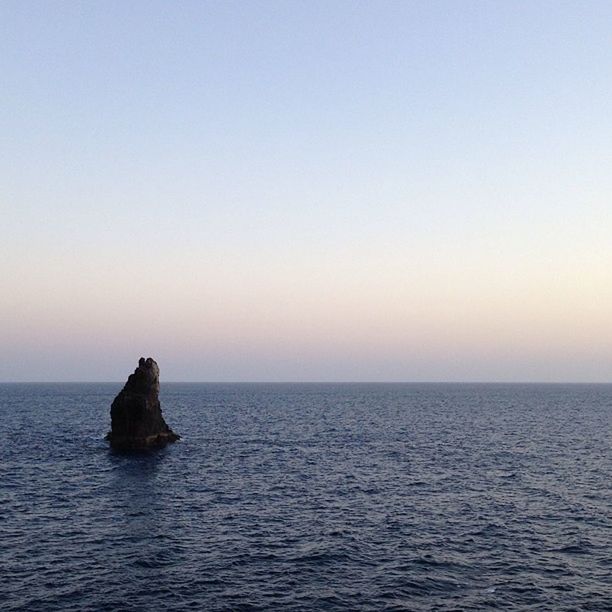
x=136, y=416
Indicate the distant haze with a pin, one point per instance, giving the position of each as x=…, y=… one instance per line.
x=291, y=191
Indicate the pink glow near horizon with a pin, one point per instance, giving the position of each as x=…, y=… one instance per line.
x=418, y=191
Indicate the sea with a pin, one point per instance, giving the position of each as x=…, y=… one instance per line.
x=310, y=497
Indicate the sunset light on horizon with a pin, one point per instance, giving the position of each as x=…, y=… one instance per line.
x=321, y=191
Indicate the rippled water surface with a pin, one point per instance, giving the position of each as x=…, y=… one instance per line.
x=360, y=497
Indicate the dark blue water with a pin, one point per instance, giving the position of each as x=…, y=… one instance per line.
x=300, y=497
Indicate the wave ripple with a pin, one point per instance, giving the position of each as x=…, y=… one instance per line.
x=301, y=497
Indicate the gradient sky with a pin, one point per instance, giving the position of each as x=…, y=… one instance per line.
x=346, y=190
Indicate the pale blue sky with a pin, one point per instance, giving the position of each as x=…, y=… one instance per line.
x=306, y=190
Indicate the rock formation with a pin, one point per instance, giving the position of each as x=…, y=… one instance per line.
x=136, y=417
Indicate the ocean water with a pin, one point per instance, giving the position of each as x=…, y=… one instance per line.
x=310, y=497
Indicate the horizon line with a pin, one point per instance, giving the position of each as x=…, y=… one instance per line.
x=314, y=382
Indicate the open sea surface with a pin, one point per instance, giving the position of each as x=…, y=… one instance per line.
x=310, y=497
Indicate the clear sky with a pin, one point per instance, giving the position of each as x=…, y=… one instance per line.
x=334, y=190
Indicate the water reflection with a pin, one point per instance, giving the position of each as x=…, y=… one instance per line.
x=143, y=518
x=134, y=486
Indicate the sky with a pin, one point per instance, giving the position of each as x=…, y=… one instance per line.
x=306, y=190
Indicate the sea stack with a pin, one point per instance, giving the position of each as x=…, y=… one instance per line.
x=136, y=416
